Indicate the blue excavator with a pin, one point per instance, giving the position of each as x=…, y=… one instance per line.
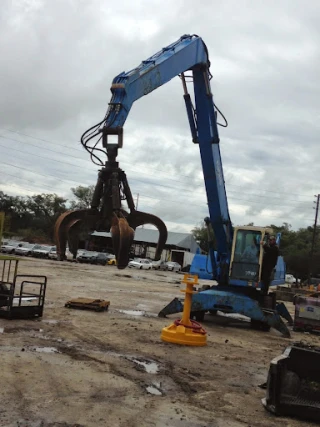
x=236, y=286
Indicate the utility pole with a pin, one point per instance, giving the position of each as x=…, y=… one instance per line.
x=314, y=233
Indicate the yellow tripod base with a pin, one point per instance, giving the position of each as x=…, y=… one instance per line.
x=186, y=331
x=179, y=334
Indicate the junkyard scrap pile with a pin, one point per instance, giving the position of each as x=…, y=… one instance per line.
x=78, y=367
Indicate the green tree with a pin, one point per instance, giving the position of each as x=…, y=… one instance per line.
x=83, y=197
x=200, y=234
x=16, y=212
x=46, y=208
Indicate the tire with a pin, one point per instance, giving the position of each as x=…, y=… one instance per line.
x=197, y=315
x=259, y=326
x=140, y=268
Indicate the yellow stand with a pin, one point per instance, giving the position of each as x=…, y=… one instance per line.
x=186, y=331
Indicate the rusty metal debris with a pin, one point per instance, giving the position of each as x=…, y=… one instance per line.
x=107, y=214
x=88, y=304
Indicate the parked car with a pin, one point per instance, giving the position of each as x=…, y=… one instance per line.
x=159, y=265
x=141, y=264
x=86, y=256
x=53, y=254
x=24, y=249
x=289, y=278
x=101, y=258
x=111, y=259
x=10, y=247
x=42, y=251
x=173, y=266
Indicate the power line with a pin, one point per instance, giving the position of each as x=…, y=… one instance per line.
x=154, y=169
x=23, y=188
x=160, y=199
x=162, y=185
x=41, y=157
x=27, y=180
x=138, y=180
x=40, y=174
x=133, y=179
x=172, y=201
x=43, y=148
x=175, y=201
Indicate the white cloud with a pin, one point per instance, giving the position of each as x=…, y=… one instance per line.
x=58, y=59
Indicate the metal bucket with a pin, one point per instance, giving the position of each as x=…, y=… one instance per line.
x=293, y=386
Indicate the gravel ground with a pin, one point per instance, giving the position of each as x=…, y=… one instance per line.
x=82, y=368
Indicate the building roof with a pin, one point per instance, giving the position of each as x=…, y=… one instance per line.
x=181, y=240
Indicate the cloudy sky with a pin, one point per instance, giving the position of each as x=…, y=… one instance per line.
x=58, y=58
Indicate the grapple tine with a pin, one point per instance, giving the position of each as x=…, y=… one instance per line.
x=67, y=226
x=122, y=238
x=136, y=218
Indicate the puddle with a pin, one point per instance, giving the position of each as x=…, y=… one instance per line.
x=46, y=350
x=15, y=329
x=132, y=312
x=151, y=315
x=138, y=313
x=153, y=390
x=53, y=322
x=150, y=367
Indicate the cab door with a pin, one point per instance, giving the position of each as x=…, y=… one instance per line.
x=246, y=255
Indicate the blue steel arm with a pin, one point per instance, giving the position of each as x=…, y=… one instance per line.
x=151, y=74
x=188, y=53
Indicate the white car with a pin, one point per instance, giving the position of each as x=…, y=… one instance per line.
x=290, y=279
x=53, y=254
x=24, y=249
x=159, y=265
x=42, y=251
x=141, y=264
x=10, y=247
x=173, y=266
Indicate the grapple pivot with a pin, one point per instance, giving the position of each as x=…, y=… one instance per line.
x=107, y=214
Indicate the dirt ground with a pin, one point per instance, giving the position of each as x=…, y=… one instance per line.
x=81, y=368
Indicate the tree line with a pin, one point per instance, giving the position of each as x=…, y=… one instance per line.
x=33, y=218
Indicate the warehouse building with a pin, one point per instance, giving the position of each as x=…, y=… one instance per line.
x=180, y=247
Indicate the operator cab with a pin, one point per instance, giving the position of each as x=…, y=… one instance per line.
x=247, y=254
